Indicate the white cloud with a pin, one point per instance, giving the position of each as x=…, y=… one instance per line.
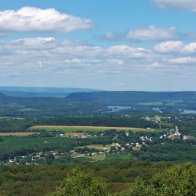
x=129, y=52
x=176, y=47
x=31, y=56
x=183, y=60
x=35, y=43
x=179, y=4
x=50, y=60
x=74, y=50
x=151, y=33
x=190, y=48
x=32, y=19
x=169, y=47
x=49, y=56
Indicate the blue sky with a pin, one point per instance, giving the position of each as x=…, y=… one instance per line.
x=113, y=45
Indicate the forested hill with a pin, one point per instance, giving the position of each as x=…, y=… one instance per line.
x=132, y=97
x=40, y=91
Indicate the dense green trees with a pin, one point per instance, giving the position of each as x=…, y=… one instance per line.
x=139, y=188
x=169, y=150
x=179, y=180
x=160, y=179
x=83, y=184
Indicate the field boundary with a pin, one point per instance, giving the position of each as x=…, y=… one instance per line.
x=85, y=128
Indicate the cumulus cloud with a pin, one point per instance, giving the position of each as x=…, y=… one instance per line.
x=190, y=48
x=31, y=56
x=177, y=47
x=130, y=52
x=75, y=50
x=48, y=60
x=151, y=33
x=69, y=52
x=178, y=4
x=32, y=19
x=169, y=46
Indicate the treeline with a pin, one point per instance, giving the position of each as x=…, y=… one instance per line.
x=22, y=124
x=109, y=120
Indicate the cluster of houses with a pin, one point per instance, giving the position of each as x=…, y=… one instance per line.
x=34, y=158
x=175, y=134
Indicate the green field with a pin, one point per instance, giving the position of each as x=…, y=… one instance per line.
x=99, y=147
x=85, y=128
x=18, y=143
x=95, y=158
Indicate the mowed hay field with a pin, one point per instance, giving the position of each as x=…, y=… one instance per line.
x=19, y=134
x=85, y=128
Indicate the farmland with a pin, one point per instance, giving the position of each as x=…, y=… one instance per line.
x=18, y=143
x=108, y=144
x=19, y=134
x=85, y=128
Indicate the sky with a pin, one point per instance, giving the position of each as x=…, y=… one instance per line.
x=147, y=45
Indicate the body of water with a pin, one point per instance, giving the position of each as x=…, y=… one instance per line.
x=187, y=111
x=117, y=108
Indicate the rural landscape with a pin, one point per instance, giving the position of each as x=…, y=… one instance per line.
x=118, y=143
x=97, y=98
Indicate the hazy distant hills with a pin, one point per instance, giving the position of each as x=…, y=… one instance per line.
x=60, y=102
x=134, y=97
x=118, y=98
x=40, y=91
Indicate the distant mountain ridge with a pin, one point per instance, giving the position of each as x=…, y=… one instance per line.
x=88, y=103
x=40, y=91
x=132, y=97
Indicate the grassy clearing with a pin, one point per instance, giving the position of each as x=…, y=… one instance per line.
x=74, y=134
x=85, y=128
x=17, y=143
x=99, y=147
x=18, y=134
x=97, y=157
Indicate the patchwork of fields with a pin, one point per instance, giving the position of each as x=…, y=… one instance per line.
x=84, y=128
